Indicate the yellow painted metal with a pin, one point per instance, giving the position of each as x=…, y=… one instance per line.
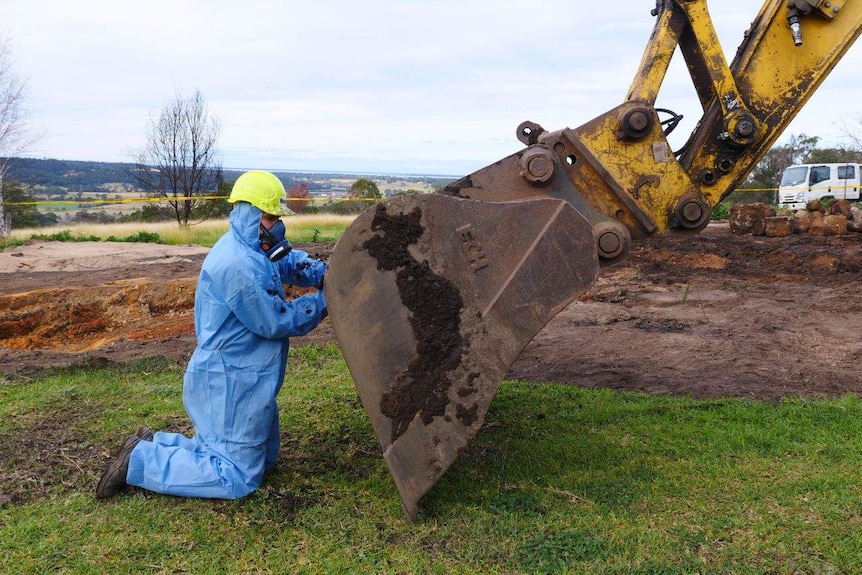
x=644, y=171
x=830, y=8
x=712, y=57
x=776, y=79
x=656, y=58
x=747, y=105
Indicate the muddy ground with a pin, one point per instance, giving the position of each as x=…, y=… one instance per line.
x=705, y=315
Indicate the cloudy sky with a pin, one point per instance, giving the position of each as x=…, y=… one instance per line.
x=396, y=86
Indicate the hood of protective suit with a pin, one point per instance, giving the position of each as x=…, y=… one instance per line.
x=245, y=223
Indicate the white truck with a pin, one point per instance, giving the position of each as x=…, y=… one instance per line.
x=804, y=182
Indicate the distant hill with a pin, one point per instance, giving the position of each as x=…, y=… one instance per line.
x=50, y=177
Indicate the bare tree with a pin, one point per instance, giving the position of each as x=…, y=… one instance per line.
x=180, y=161
x=851, y=133
x=15, y=137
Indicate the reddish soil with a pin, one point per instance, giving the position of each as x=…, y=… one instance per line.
x=65, y=304
x=707, y=315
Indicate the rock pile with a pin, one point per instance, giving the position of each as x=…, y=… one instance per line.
x=763, y=220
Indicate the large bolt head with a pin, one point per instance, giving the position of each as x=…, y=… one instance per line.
x=745, y=128
x=613, y=240
x=692, y=212
x=609, y=244
x=638, y=121
x=537, y=165
x=742, y=128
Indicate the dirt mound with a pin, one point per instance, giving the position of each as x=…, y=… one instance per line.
x=709, y=314
x=68, y=303
x=75, y=319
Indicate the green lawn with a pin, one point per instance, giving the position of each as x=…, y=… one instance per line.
x=560, y=480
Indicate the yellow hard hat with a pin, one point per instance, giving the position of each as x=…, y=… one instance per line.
x=262, y=190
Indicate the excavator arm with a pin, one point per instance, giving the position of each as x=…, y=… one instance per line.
x=433, y=297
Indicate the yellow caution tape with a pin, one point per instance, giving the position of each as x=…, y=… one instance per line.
x=172, y=199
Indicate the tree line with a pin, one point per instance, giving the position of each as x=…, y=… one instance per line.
x=23, y=212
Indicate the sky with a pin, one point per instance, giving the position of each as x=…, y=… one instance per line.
x=377, y=86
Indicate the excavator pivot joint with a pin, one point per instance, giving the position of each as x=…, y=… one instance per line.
x=613, y=240
x=636, y=123
x=537, y=165
x=692, y=212
x=742, y=128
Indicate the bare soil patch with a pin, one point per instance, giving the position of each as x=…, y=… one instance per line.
x=713, y=315
x=64, y=304
x=709, y=314
x=706, y=315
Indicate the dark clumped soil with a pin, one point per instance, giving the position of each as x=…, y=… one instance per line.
x=435, y=306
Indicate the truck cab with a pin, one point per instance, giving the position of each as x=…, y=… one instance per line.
x=804, y=182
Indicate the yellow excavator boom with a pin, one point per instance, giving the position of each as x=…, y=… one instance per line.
x=434, y=296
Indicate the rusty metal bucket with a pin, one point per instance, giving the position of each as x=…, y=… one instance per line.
x=432, y=298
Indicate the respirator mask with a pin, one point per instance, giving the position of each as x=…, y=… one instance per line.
x=273, y=242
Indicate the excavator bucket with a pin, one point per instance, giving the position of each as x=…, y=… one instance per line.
x=432, y=298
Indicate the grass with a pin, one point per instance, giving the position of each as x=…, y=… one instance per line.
x=300, y=229
x=560, y=480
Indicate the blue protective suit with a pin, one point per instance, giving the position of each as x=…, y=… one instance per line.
x=242, y=322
